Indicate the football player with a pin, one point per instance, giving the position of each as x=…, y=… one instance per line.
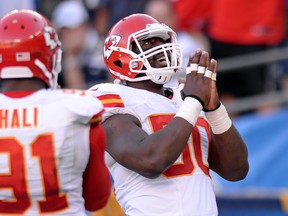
x=163, y=142
x=51, y=142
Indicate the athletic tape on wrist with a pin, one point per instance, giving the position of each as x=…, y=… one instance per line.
x=183, y=95
x=190, y=110
x=219, y=120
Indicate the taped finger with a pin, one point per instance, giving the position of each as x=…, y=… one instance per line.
x=213, y=77
x=194, y=66
x=208, y=74
x=201, y=69
x=188, y=70
x=181, y=86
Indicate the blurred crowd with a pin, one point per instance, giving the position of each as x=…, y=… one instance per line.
x=224, y=28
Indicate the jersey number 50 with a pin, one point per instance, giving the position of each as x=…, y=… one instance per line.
x=189, y=162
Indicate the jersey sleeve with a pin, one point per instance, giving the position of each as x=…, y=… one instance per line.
x=96, y=179
x=86, y=107
x=114, y=98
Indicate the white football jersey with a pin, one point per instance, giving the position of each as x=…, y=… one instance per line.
x=184, y=189
x=44, y=150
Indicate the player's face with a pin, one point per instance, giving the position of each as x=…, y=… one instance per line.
x=158, y=60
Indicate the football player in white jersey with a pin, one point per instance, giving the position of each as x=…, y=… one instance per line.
x=161, y=143
x=51, y=143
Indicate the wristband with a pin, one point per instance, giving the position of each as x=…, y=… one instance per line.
x=219, y=120
x=190, y=110
x=206, y=110
x=183, y=95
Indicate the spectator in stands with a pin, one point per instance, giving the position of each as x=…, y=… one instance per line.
x=108, y=12
x=193, y=17
x=82, y=58
x=241, y=27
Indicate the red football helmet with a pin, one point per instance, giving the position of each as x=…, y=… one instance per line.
x=124, y=64
x=29, y=47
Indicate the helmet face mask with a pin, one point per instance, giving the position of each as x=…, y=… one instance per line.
x=129, y=32
x=29, y=47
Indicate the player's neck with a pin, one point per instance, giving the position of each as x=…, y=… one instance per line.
x=147, y=85
x=12, y=85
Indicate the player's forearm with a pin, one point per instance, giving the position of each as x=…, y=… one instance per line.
x=163, y=148
x=229, y=155
x=150, y=155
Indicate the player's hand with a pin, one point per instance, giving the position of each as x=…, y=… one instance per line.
x=214, y=101
x=201, y=80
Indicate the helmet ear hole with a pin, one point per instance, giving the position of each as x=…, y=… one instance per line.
x=118, y=63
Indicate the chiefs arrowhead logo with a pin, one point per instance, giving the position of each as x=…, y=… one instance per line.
x=110, y=44
x=51, y=38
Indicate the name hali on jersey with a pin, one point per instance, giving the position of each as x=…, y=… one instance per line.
x=25, y=117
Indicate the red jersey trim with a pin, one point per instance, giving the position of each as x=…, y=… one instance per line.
x=18, y=94
x=111, y=100
x=97, y=118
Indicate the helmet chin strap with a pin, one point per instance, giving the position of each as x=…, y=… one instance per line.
x=160, y=79
x=154, y=77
